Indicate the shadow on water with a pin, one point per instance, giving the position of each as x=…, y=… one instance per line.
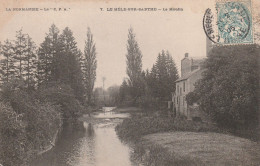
x=90, y=131
x=66, y=143
x=89, y=143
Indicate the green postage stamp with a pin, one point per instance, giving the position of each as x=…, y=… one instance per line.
x=230, y=23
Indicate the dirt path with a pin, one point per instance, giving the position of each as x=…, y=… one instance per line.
x=210, y=148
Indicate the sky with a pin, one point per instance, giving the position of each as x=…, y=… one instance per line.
x=176, y=31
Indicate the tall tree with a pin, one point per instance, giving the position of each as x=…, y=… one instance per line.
x=90, y=65
x=47, y=56
x=30, y=63
x=163, y=76
x=68, y=64
x=20, y=49
x=123, y=91
x=171, y=71
x=152, y=81
x=134, y=65
x=7, y=69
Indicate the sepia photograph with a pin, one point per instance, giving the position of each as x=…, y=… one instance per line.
x=129, y=83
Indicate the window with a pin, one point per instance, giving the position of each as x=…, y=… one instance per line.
x=183, y=86
x=180, y=90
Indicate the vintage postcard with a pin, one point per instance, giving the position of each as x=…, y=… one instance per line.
x=129, y=83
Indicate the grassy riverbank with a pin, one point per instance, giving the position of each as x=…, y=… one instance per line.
x=162, y=140
x=155, y=155
x=209, y=148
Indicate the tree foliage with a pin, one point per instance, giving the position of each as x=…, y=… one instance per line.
x=113, y=92
x=145, y=87
x=47, y=56
x=12, y=137
x=154, y=86
x=134, y=65
x=63, y=96
x=123, y=92
x=26, y=125
x=59, y=61
x=7, y=69
x=162, y=77
x=68, y=64
x=229, y=87
x=89, y=65
x=20, y=51
x=30, y=67
x=19, y=59
x=39, y=87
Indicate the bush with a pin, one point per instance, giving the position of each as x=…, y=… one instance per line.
x=147, y=102
x=134, y=128
x=13, y=150
x=191, y=98
x=43, y=121
x=63, y=96
x=27, y=125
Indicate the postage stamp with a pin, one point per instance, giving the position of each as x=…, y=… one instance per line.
x=230, y=23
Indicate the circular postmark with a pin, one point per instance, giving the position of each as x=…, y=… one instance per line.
x=230, y=24
x=208, y=25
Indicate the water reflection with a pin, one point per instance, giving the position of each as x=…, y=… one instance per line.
x=89, y=144
x=87, y=148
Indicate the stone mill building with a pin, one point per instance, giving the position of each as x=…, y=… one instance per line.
x=191, y=72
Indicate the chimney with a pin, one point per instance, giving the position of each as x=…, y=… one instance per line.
x=186, y=64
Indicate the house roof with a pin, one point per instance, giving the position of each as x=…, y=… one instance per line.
x=195, y=59
x=188, y=75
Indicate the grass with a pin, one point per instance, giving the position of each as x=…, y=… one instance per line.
x=164, y=141
x=156, y=155
x=210, y=148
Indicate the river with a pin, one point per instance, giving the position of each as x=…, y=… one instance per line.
x=93, y=143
